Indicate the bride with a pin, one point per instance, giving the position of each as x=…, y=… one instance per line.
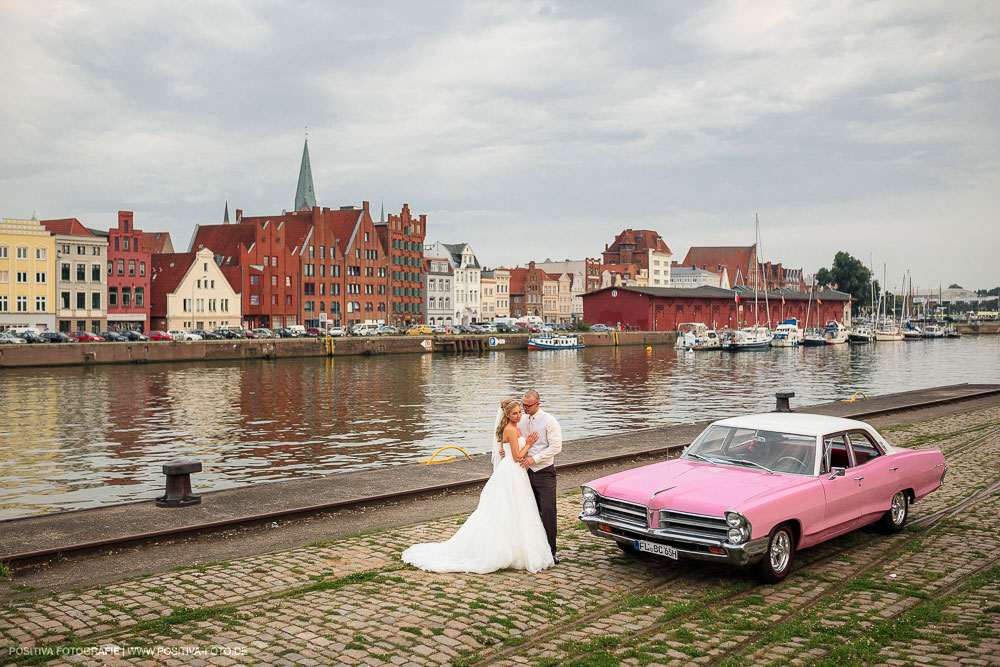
x=505, y=531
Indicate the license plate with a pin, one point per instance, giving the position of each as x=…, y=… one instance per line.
x=654, y=548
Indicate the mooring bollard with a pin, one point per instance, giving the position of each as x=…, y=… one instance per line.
x=178, y=491
x=782, y=402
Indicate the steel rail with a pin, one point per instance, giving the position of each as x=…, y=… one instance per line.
x=23, y=559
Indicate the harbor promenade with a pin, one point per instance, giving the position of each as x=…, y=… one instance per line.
x=928, y=595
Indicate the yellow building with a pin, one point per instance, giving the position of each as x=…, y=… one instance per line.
x=27, y=276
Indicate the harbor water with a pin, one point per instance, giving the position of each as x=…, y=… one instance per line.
x=76, y=437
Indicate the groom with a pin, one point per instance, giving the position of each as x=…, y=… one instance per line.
x=539, y=461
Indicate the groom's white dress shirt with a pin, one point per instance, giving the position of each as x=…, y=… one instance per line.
x=549, y=441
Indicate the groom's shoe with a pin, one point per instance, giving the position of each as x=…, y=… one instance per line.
x=555, y=559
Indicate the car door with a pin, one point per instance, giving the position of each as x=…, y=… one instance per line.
x=878, y=478
x=839, y=486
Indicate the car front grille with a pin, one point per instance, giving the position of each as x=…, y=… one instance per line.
x=622, y=511
x=684, y=525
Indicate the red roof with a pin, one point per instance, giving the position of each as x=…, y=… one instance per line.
x=167, y=270
x=157, y=242
x=224, y=240
x=641, y=240
x=738, y=261
x=517, y=279
x=234, y=275
x=69, y=226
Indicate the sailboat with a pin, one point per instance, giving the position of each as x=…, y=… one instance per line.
x=887, y=331
x=757, y=337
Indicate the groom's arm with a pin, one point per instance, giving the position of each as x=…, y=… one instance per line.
x=553, y=432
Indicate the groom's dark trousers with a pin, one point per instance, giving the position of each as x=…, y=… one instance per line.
x=543, y=485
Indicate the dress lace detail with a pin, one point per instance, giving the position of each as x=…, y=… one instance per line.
x=505, y=531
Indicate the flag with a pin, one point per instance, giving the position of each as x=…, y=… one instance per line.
x=782, y=299
x=819, y=301
x=737, y=297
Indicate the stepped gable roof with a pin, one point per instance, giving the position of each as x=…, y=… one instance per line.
x=296, y=232
x=66, y=226
x=157, y=242
x=343, y=223
x=224, y=240
x=167, y=271
x=642, y=239
x=518, y=277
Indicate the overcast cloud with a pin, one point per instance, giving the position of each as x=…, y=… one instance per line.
x=532, y=130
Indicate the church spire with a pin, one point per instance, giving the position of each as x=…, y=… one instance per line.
x=382, y=215
x=305, y=196
x=225, y=218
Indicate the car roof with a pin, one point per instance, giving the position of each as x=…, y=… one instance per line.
x=796, y=422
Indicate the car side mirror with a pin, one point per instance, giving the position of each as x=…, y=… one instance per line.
x=837, y=472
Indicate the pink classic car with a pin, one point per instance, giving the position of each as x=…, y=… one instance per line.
x=752, y=490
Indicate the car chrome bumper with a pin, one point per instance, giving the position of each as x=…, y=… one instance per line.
x=747, y=553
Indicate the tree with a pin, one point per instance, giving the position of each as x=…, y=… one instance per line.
x=853, y=277
x=823, y=277
x=955, y=286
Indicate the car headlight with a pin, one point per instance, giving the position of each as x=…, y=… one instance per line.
x=589, y=507
x=739, y=528
x=588, y=493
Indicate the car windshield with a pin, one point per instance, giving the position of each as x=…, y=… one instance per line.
x=773, y=451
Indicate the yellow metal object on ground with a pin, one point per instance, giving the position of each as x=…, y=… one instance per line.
x=445, y=459
x=854, y=397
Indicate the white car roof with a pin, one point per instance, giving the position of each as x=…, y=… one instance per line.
x=795, y=422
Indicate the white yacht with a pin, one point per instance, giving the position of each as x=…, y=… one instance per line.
x=696, y=336
x=787, y=334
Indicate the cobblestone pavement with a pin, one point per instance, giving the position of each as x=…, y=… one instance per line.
x=929, y=595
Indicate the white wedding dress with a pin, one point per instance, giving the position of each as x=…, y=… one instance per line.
x=505, y=531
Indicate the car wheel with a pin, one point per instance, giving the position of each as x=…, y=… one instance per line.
x=777, y=561
x=895, y=517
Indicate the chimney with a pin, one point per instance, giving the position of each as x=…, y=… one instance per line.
x=239, y=215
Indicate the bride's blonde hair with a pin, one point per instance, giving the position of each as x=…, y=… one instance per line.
x=506, y=405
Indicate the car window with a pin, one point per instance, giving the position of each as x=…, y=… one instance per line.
x=864, y=449
x=835, y=453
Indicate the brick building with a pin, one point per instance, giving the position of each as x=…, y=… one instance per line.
x=129, y=264
x=644, y=248
x=402, y=237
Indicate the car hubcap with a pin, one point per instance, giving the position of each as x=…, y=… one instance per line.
x=781, y=549
x=898, y=508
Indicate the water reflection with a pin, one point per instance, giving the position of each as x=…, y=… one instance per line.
x=78, y=437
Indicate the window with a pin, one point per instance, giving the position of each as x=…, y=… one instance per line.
x=274, y=260
x=4, y=276
x=64, y=298
x=22, y=276
x=274, y=281
x=140, y=294
x=366, y=237
x=125, y=243
x=81, y=300
x=95, y=300
x=22, y=253
x=40, y=253
x=3, y=252
x=112, y=297
x=95, y=250
x=835, y=453
x=22, y=304
x=95, y=273
x=40, y=277
x=288, y=281
x=288, y=299
x=266, y=260
x=199, y=283
x=322, y=255
x=255, y=299
x=121, y=267
x=131, y=267
x=312, y=251
x=225, y=305
x=274, y=299
x=117, y=244
x=4, y=303
x=81, y=250
x=254, y=280
x=142, y=268
x=864, y=449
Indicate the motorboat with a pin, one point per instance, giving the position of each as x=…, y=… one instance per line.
x=555, y=343
x=748, y=338
x=835, y=333
x=861, y=334
x=934, y=331
x=787, y=334
x=813, y=337
x=951, y=331
x=697, y=336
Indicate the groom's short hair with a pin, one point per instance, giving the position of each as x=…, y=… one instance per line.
x=531, y=395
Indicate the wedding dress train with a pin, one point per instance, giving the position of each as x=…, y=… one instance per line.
x=505, y=531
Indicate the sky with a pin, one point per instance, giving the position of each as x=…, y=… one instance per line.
x=531, y=130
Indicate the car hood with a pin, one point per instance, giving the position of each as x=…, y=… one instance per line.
x=693, y=486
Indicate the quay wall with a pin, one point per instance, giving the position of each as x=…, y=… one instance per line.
x=73, y=354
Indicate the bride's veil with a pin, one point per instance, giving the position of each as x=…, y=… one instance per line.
x=493, y=438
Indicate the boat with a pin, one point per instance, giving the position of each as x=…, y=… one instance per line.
x=862, y=333
x=886, y=329
x=748, y=338
x=835, y=333
x=888, y=332
x=911, y=331
x=951, y=331
x=697, y=336
x=787, y=334
x=555, y=343
x=933, y=331
x=813, y=337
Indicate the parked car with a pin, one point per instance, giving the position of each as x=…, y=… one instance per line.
x=600, y=327
x=283, y=332
x=420, y=330
x=85, y=337
x=8, y=338
x=264, y=333
x=229, y=334
x=207, y=335
x=180, y=334
x=314, y=332
x=158, y=335
x=297, y=330
x=387, y=330
x=112, y=336
x=336, y=331
x=55, y=337
x=441, y=330
x=364, y=329
x=249, y=333
x=131, y=334
x=753, y=490
x=506, y=328
x=30, y=336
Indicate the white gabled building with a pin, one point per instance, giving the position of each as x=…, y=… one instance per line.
x=467, y=279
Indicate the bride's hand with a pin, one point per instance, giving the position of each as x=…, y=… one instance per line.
x=531, y=439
